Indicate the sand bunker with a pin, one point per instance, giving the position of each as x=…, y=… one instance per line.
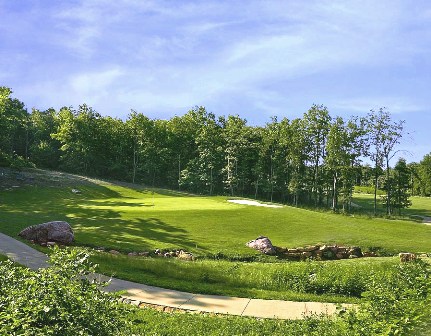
x=255, y=203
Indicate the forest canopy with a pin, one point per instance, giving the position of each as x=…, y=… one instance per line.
x=315, y=160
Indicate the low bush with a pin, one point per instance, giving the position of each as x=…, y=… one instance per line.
x=14, y=161
x=58, y=300
x=397, y=304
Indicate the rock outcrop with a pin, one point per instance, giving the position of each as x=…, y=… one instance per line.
x=407, y=257
x=262, y=244
x=57, y=231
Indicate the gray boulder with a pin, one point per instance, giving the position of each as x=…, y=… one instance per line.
x=57, y=231
x=262, y=244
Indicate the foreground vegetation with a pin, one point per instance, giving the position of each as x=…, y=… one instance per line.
x=332, y=281
x=57, y=300
x=60, y=301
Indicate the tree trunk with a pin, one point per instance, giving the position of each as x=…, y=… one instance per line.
x=334, y=193
x=375, y=188
x=179, y=172
x=388, y=189
x=211, y=181
x=135, y=163
x=272, y=179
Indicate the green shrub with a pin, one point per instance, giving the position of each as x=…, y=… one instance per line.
x=58, y=300
x=14, y=161
x=396, y=303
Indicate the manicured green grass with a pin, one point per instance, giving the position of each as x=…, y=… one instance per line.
x=420, y=205
x=151, y=322
x=119, y=217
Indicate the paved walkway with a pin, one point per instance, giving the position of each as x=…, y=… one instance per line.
x=426, y=220
x=143, y=295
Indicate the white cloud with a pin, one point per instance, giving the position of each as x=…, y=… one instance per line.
x=393, y=104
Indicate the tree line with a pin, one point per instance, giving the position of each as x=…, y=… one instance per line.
x=315, y=160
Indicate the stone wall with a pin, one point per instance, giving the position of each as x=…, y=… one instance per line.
x=321, y=252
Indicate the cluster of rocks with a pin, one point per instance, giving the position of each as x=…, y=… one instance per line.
x=179, y=254
x=317, y=252
x=49, y=234
x=408, y=257
x=320, y=252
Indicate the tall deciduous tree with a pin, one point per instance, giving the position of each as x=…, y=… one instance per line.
x=317, y=121
x=424, y=172
x=401, y=195
x=44, y=150
x=13, y=125
x=297, y=157
x=384, y=135
x=234, y=136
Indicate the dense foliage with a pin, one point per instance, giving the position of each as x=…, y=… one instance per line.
x=314, y=160
x=396, y=304
x=58, y=300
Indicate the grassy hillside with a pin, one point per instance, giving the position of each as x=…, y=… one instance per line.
x=133, y=218
x=421, y=206
x=139, y=219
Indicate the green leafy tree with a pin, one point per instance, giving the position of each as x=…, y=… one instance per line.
x=344, y=147
x=297, y=157
x=401, y=196
x=384, y=135
x=203, y=173
x=234, y=136
x=13, y=126
x=424, y=174
x=317, y=122
x=44, y=150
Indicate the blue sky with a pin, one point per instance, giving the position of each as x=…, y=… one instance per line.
x=252, y=58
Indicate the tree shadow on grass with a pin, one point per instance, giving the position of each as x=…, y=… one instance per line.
x=143, y=189
x=133, y=235
x=96, y=222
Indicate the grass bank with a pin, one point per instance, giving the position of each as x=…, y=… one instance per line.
x=331, y=281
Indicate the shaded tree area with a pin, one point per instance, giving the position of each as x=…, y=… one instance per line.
x=315, y=160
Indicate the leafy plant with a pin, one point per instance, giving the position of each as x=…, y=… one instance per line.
x=59, y=300
x=396, y=304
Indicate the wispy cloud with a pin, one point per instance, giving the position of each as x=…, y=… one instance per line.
x=262, y=57
x=395, y=105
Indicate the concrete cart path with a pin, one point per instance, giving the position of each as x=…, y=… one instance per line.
x=143, y=295
x=425, y=219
